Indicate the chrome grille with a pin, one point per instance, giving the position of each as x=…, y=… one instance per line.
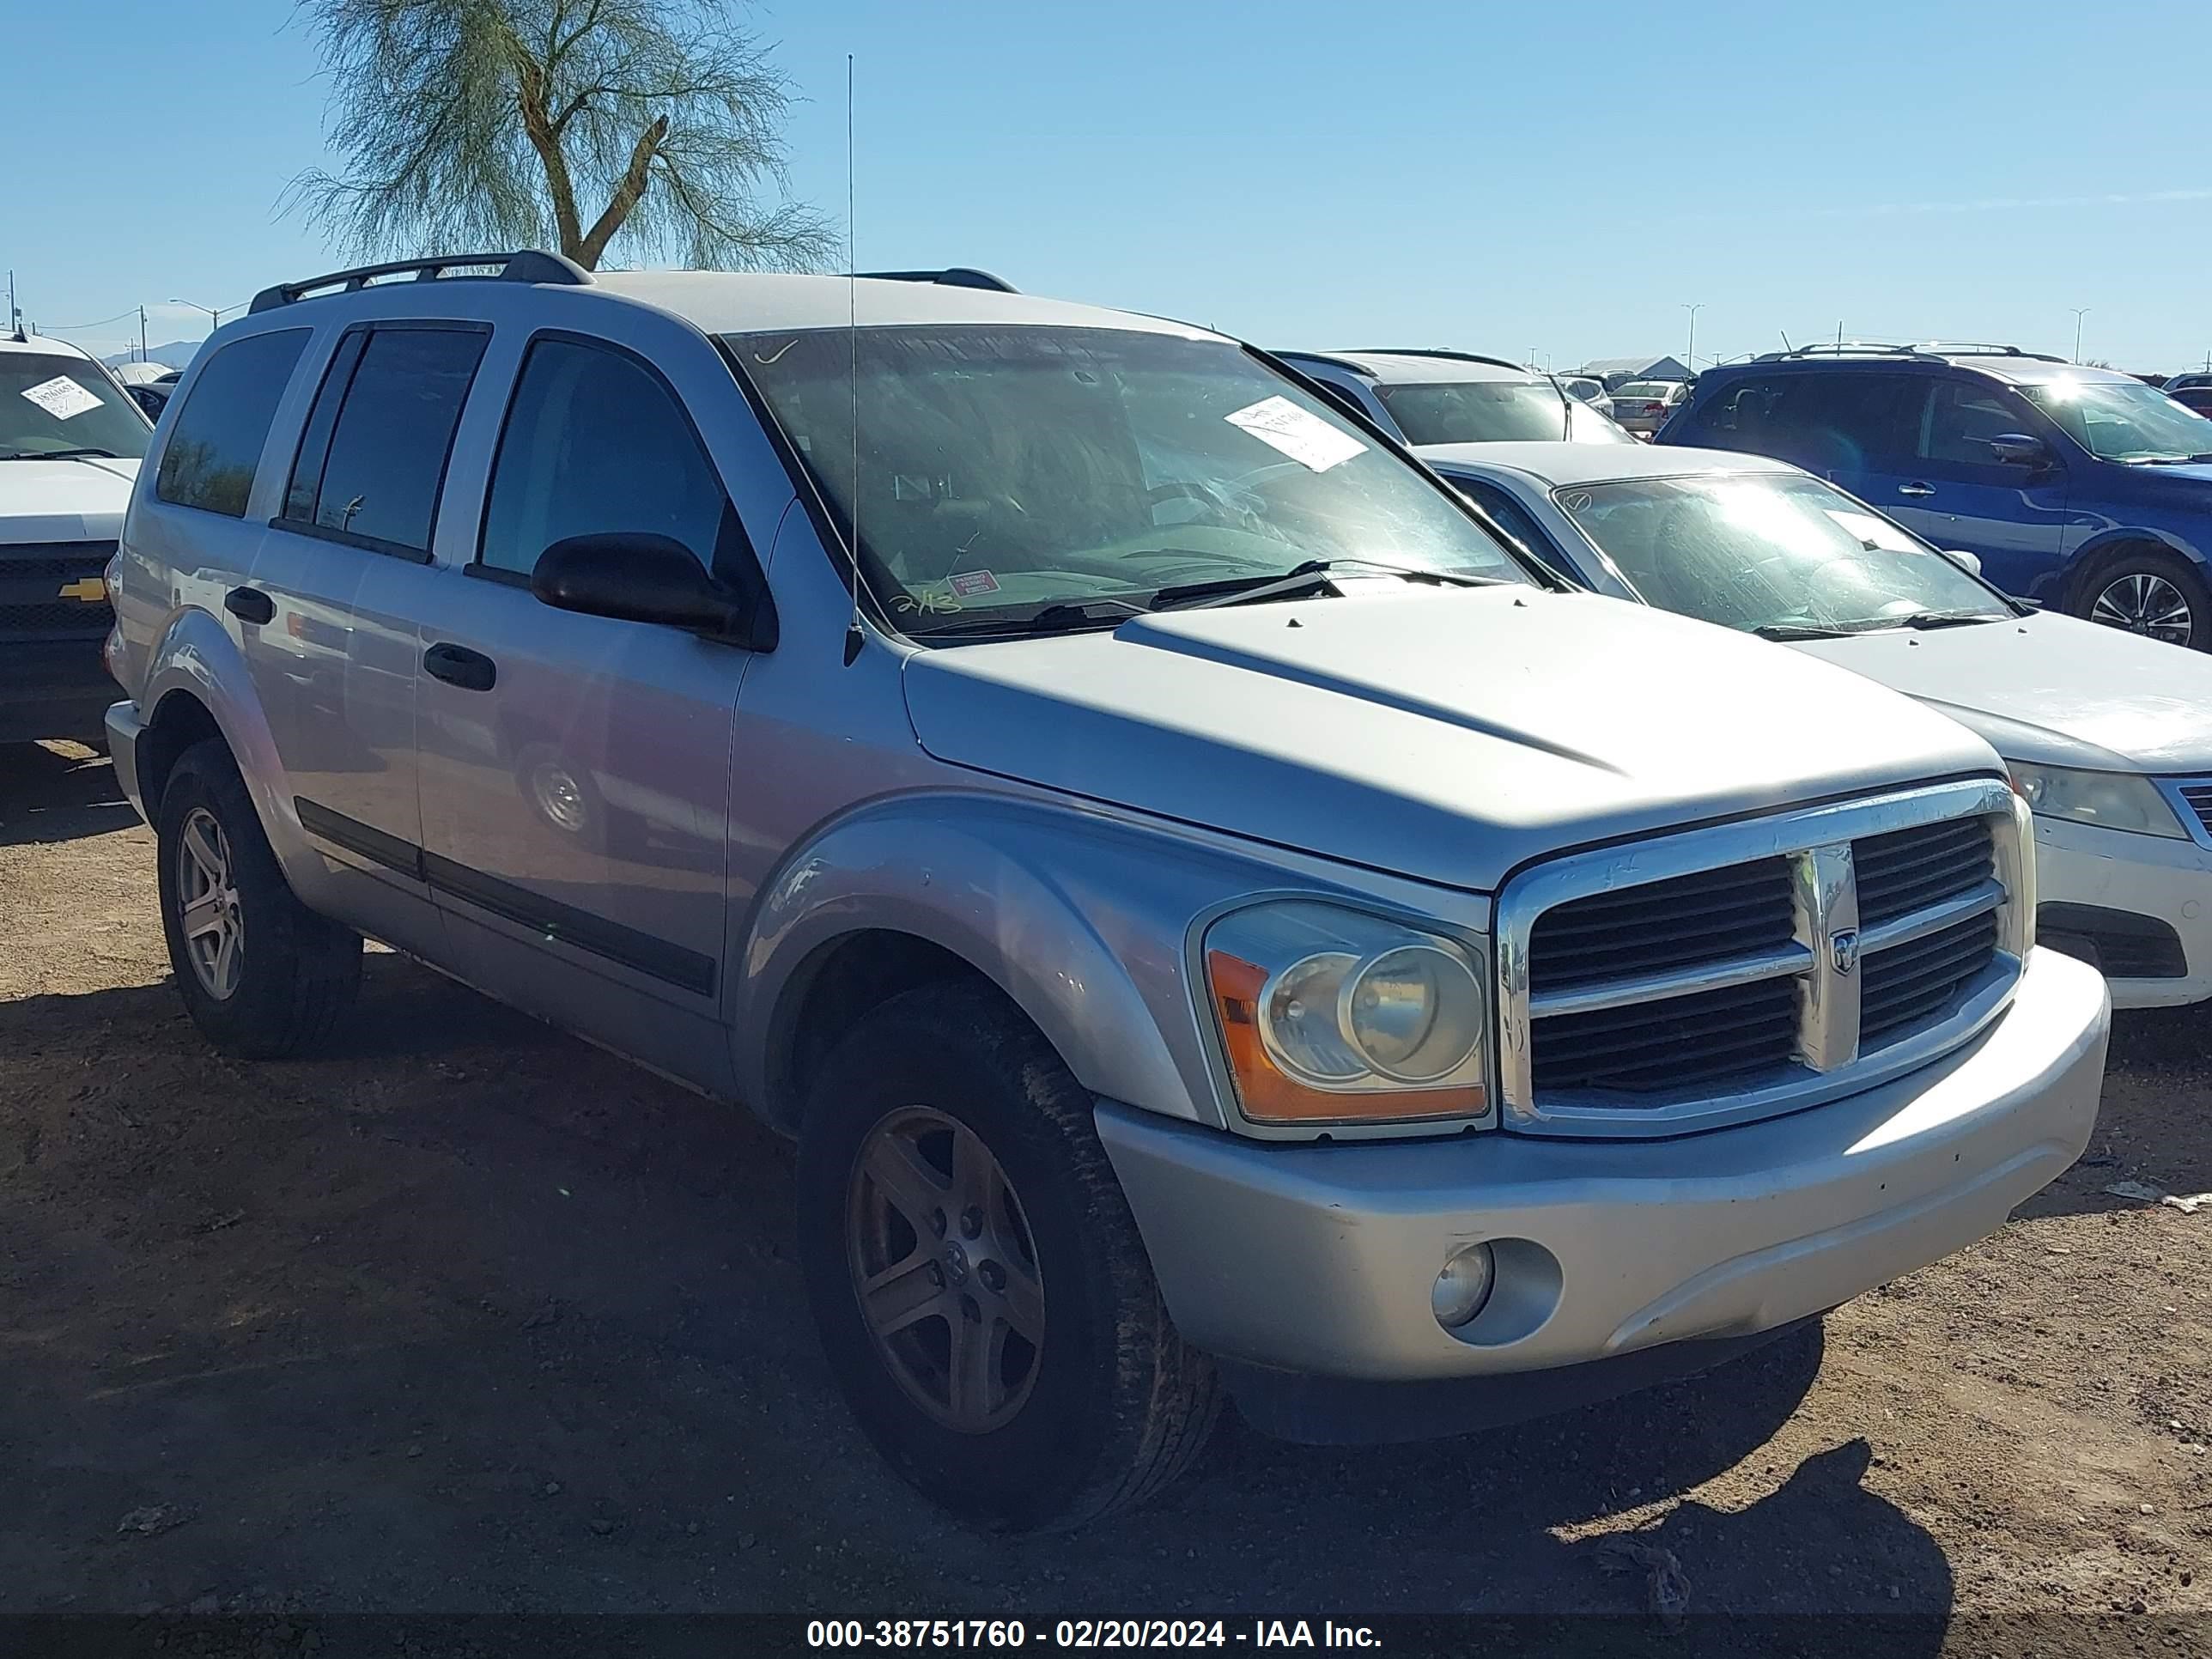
x=1756, y=968
x=2192, y=801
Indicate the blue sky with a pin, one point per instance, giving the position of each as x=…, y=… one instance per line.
x=1559, y=180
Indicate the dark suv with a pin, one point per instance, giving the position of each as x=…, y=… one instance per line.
x=2080, y=488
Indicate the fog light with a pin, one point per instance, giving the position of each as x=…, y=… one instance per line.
x=1463, y=1286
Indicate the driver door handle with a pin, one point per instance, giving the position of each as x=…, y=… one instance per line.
x=457, y=664
x=1914, y=489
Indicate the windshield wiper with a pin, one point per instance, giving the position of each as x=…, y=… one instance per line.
x=1800, y=631
x=61, y=455
x=1938, y=619
x=1314, y=573
x=1063, y=618
x=2172, y=461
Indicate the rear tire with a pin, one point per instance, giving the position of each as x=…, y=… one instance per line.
x=262, y=976
x=2151, y=591
x=1109, y=1404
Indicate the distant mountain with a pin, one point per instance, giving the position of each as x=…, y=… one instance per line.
x=177, y=354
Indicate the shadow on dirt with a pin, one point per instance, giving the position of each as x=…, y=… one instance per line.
x=57, y=792
x=464, y=1315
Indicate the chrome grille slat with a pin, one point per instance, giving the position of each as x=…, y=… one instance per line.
x=1913, y=979
x=1790, y=958
x=1732, y=973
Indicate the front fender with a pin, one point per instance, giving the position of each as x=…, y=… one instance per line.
x=1084, y=920
x=2054, y=588
x=194, y=655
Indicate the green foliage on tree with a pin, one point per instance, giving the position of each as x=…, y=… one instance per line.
x=560, y=124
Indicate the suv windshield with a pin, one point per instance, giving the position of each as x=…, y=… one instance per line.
x=1771, y=550
x=1006, y=470
x=55, y=406
x=2123, y=421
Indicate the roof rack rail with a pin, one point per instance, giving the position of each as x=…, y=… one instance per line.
x=950, y=277
x=1924, y=352
x=1851, y=349
x=1978, y=348
x=523, y=265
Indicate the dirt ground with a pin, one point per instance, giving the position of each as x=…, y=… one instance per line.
x=465, y=1316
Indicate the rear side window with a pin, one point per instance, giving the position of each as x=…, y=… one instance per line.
x=217, y=443
x=596, y=444
x=1821, y=421
x=373, y=460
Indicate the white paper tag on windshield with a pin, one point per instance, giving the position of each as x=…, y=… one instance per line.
x=1305, y=438
x=61, y=397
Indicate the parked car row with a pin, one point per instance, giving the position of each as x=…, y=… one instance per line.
x=2108, y=737
x=2081, y=488
x=1219, y=914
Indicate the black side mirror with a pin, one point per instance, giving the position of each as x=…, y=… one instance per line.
x=632, y=576
x=2018, y=449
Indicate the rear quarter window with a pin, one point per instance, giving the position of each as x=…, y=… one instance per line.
x=217, y=443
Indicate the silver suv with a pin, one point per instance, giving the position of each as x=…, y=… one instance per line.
x=1213, y=919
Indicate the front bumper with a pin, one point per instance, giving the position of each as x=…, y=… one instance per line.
x=2166, y=883
x=1319, y=1259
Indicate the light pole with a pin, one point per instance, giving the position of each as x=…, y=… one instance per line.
x=2080, y=311
x=215, y=313
x=1690, y=362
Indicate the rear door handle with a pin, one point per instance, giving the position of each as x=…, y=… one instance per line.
x=249, y=604
x=457, y=664
x=1915, y=489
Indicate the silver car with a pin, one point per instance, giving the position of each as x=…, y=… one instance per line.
x=1215, y=920
x=1643, y=407
x=1437, y=396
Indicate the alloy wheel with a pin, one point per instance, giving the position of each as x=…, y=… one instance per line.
x=214, y=924
x=945, y=1269
x=2148, y=605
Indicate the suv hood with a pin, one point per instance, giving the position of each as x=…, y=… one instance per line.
x=2054, y=690
x=73, y=501
x=1449, y=736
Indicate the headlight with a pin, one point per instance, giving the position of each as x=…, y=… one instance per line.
x=1329, y=1015
x=2111, y=800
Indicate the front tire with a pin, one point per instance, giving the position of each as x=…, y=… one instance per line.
x=2153, y=592
x=981, y=1292
x=262, y=976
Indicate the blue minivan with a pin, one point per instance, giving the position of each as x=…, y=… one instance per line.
x=2079, y=487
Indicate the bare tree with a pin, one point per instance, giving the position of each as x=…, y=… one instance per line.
x=560, y=123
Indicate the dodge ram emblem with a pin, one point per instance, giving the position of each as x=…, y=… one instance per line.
x=1843, y=951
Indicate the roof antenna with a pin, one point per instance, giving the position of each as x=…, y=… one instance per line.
x=855, y=636
x=1784, y=333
